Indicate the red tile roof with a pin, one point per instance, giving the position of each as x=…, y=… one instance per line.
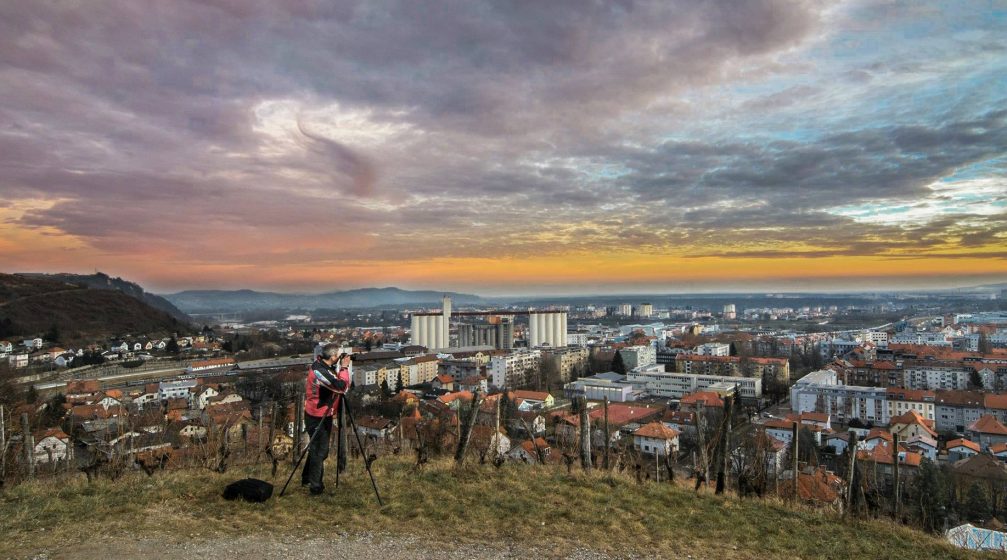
x=988, y=424
x=996, y=402
x=912, y=417
x=531, y=395
x=998, y=448
x=707, y=398
x=656, y=430
x=963, y=443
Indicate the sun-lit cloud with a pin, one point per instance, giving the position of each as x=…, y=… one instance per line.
x=503, y=148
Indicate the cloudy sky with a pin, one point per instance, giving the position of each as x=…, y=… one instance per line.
x=506, y=147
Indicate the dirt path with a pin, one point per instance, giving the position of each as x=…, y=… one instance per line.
x=349, y=547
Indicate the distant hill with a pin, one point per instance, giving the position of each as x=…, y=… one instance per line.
x=211, y=301
x=102, y=281
x=31, y=305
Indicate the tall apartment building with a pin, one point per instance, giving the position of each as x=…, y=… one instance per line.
x=515, y=370
x=570, y=361
x=624, y=309
x=644, y=310
x=638, y=356
x=820, y=391
x=708, y=365
x=771, y=370
x=730, y=313
x=933, y=376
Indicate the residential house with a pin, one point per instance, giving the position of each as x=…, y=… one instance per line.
x=377, y=427
x=986, y=431
x=528, y=452
x=783, y=430
x=820, y=420
x=52, y=445
x=486, y=439
x=815, y=486
x=473, y=383
x=443, y=382
x=657, y=439
x=875, y=437
x=106, y=400
x=18, y=360
x=532, y=418
x=454, y=400
x=959, y=449
x=881, y=458
x=707, y=399
x=924, y=445
x=999, y=450
x=223, y=399
x=201, y=397
x=32, y=343
x=911, y=424
x=837, y=441
x=534, y=400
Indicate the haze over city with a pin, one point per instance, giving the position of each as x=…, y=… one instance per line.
x=506, y=148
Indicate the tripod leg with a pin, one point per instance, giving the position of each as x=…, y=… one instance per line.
x=367, y=462
x=340, y=451
x=304, y=453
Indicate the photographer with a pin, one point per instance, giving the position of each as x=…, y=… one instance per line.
x=328, y=378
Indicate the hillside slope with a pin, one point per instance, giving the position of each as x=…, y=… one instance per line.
x=519, y=510
x=102, y=281
x=32, y=306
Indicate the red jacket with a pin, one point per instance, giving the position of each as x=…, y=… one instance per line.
x=322, y=388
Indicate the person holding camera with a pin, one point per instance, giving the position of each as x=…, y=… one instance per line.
x=328, y=379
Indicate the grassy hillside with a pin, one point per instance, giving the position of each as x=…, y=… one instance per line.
x=523, y=505
x=13, y=287
x=102, y=281
x=30, y=306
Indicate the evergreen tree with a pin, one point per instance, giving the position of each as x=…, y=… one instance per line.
x=930, y=495
x=977, y=504
x=172, y=346
x=975, y=379
x=618, y=365
x=386, y=392
x=31, y=395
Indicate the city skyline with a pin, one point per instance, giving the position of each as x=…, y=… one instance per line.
x=626, y=147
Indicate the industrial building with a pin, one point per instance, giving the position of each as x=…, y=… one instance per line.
x=433, y=329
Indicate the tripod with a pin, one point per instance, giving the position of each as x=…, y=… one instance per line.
x=353, y=426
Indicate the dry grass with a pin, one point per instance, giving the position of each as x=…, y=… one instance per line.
x=537, y=505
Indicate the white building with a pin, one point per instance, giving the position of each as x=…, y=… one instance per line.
x=660, y=383
x=598, y=387
x=713, y=349
x=821, y=391
x=921, y=375
x=52, y=444
x=176, y=389
x=638, y=356
x=516, y=369
x=624, y=309
x=644, y=310
x=878, y=338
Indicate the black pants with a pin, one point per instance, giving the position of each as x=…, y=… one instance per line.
x=317, y=452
